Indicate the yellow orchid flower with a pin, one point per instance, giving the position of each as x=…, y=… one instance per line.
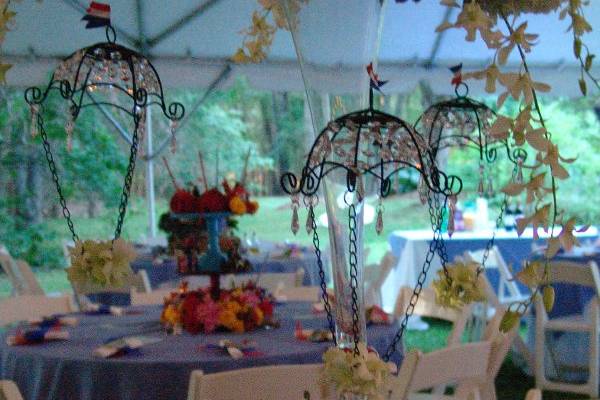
x=490, y=74
x=538, y=220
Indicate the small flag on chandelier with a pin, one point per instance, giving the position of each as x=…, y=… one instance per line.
x=457, y=71
x=97, y=15
x=375, y=82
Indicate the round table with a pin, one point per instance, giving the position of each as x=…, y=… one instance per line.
x=68, y=370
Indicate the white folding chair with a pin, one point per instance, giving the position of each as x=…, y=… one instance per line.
x=533, y=394
x=153, y=297
x=27, y=307
x=451, y=365
x=375, y=275
x=9, y=391
x=299, y=293
x=20, y=274
x=272, y=281
x=428, y=307
x=508, y=289
x=500, y=345
x=289, y=382
x=506, y=283
x=577, y=274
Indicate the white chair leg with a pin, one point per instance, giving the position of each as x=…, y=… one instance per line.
x=487, y=390
x=540, y=347
x=593, y=371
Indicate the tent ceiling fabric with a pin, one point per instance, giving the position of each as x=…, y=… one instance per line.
x=190, y=42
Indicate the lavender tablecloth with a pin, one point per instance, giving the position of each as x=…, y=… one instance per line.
x=67, y=370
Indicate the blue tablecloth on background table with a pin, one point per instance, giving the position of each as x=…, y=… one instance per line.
x=67, y=370
x=410, y=247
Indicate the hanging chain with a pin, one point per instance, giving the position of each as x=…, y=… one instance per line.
x=324, y=294
x=126, y=184
x=353, y=261
x=128, y=179
x=52, y=166
x=436, y=217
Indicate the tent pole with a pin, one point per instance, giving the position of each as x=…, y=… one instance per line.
x=150, y=177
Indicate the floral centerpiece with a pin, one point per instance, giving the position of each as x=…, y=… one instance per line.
x=239, y=309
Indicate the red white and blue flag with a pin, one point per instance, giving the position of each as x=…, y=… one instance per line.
x=457, y=77
x=374, y=78
x=97, y=15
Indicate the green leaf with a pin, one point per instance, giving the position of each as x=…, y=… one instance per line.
x=589, y=61
x=548, y=297
x=577, y=47
x=583, y=87
x=509, y=321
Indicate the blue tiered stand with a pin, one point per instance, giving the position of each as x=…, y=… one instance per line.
x=212, y=260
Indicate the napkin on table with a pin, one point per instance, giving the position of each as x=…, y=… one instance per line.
x=123, y=346
x=36, y=336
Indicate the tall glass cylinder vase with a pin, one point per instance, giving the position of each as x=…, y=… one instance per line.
x=334, y=45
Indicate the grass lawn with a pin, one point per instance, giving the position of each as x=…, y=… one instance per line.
x=272, y=223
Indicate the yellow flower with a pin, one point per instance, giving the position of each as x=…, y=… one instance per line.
x=461, y=286
x=237, y=205
x=240, y=57
x=170, y=315
x=490, y=74
x=229, y=320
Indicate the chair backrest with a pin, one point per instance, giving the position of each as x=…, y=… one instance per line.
x=20, y=274
x=299, y=293
x=138, y=281
x=9, y=391
x=375, y=275
x=288, y=382
x=533, y=394
x=575, y=273
x=272, y=281
x=153, y=297
x=454, y=364
x=508, y=289
x=27, y=307
x=501, y=342
x=427, y=307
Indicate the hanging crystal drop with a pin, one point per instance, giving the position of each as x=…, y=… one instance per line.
x=422, y=189
x=360, y=188
x=309, y=223
x=34, y=116
x=519, y=177
x=173, y=126
x=295, y=226
x=69, y=131
x=451, y=210
x=480, y=187
x=379, y=223
x=490, y=188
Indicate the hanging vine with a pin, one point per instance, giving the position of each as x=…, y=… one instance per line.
x=499, y=26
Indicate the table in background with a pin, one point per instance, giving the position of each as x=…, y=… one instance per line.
x=268, y=260
x=67, y=370
x=410, y=247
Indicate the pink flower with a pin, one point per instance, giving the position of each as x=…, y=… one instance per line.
x=208, y=313
x=250, y=298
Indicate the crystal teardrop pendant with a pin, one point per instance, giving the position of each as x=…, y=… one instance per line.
x=360, y=188
x=422, y=189
x=490, y=188
x=295, y=226
x=480, y=187
x=34, y=111
x=451, y=210
x=379, y=223
x=309, y=223
x=519, y=176
x=69, y=131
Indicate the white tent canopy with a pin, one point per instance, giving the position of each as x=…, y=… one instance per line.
x=190, y=43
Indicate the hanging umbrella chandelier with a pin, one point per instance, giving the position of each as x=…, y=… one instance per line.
x=105, y=74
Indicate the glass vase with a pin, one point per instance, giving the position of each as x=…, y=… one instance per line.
x=333, y=56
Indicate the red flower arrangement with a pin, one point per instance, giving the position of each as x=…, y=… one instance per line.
x=239, y=309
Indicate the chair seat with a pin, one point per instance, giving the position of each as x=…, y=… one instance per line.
x=571, y=323
x=430, y=396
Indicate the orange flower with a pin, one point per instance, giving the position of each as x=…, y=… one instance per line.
x=237, y=205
